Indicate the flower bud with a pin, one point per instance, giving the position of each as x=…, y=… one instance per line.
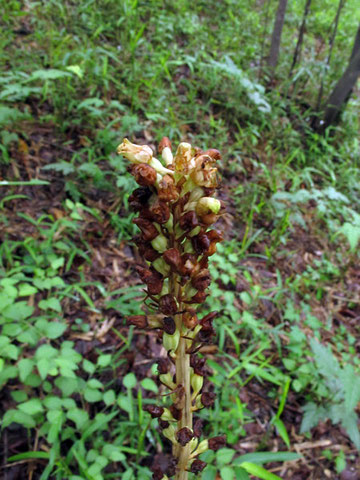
x=169, y=433
x=216, y=443
x=197, y=466
x=154, y=410
x=161, y=266
x=144, y=174
x=167, y=380
x=202, y=447
x=165, y=150
x=183, y=157
x=171, y=342
x=148, y=230
x=168, y=305
x=207, y=205
x=159, y=243
x=204, y=173
x=197, y=382
x=184, y=435
x=135, y=153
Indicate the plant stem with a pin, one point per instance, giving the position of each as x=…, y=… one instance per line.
x=182, y=366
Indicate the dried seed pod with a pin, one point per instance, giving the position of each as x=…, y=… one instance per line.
x=158, y=211
x=167, y=190
x=144, y=174
x=213, y=153
x=197, y=428
x=176, y=412
x=139, y=321
x=148, y=230
x=184, y=435
x=189, y=319
x=163, y=423
x=201, y=243
x=154, y=410
x=188, y=221
x=168, y=305
x=208, y=399
x=216, y=443
x=169, y=325
x=173, y=258
x=139, y=198
x=163, y=366
x=201, y=280
x=197, y=466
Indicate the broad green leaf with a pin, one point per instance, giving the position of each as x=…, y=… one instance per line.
x=104, y=360
x=227, y=473
x=109, y=397
x=130, y=380
x=49, y=74
x=224, y=455
x=31, y=407
x=26, y=366
x=279, y=424
x=78, y=416
x=17, y=416
x=149, y=384
x=92, y=395
x=55, y=329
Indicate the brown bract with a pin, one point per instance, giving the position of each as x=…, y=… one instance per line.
x=147, y=228
x=167, y=304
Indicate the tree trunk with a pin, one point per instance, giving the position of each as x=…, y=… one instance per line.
x=342, y=91
x=264, y=38
x=300, y=37
x=331, y=43
x=276, y=35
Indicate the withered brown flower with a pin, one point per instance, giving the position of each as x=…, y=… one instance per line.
x=144, y=174
x=168, y=305
x=184, y=435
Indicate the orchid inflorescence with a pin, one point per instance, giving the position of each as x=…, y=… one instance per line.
x=176, y=209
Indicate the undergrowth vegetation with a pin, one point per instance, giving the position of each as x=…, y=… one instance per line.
x=75, y=78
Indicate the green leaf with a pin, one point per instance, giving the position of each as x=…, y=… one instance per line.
x=351, y=383
x=46, y=351
x=266, y=457
x=224, y=455
x=26, y=366
x=104, y=360
x=113, y=453
x=31, y=407
x=241, y=474
x=51, y=303
x=313, y=414
x=258, y=471
x=55, y=329
x=56, y=418
x=130, y=380
x=16, y=416
x=125, y=403
x=279, y=424
x=78, y=416
x=109, y=397
x=49, y=74
x=88, y=366
x=18, y=311
x=349, y=422
x=149, y=384
x=76, y=69
x=209, y=473
x=29, y=455
x=352, y=234
x=67, y=385
x=227, y=473
x=25, y=290
x=44, y=365
x=92, y=395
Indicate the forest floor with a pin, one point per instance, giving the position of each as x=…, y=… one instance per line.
x=286, y=360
